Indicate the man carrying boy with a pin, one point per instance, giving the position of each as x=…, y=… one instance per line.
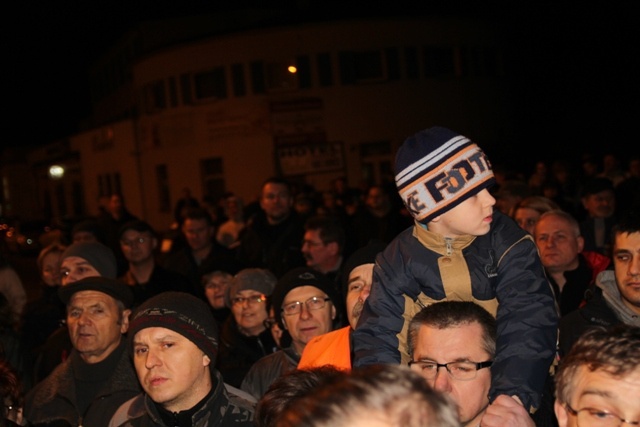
x=459, y=249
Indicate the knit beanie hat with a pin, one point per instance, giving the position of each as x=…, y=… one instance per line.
x=98, y=255
x=364, y=255
x=256, y=279
x=302, y=276
x=182, y=313
x=437, y=169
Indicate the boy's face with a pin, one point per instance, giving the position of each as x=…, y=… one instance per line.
x=473, y=216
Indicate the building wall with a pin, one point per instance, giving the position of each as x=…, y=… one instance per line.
x=324, y=122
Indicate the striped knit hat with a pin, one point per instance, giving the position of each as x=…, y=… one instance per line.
x=437, y=169
x=182, y=313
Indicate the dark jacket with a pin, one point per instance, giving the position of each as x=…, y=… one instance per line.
x=161, y=280
x=596, y=312
x=268, y=369
x=238, y=352
x=579, y=281
x=500, y=271
x=274, y=247
x=53, y=402
x=183, y=262
x=224, y=407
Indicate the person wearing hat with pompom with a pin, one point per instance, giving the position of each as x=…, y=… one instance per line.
x=173, y=339
x=88, y=387
x=245, y=338
x=305, y=303
x=459, y=248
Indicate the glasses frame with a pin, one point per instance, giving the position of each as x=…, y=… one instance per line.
x=252, y=300
x=299, y=305
x=576, y=412
x=477, y=365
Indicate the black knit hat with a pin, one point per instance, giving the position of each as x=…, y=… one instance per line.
x=182, y=313
x=98, y=255
x=437, y=169
x=364, y=255
x=111, y=287
x=302, y=276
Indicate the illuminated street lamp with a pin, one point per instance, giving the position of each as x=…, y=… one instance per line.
x=56, y=172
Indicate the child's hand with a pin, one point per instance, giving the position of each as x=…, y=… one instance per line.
x=506, y=411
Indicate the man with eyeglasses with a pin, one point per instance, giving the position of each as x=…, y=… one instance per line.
x=598, y=382
x=145, y=277
x=304, y=303
x=244, y=337
x=452, y=344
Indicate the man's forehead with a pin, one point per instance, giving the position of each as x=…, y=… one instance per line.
x=458, y=342
x=90, y=296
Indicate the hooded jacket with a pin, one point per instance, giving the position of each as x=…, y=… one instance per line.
x=500, y=271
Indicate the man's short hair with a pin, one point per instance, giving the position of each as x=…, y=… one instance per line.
x=278, y=181
x=330, y=230
x=198, y=214
x=291, y=386
x=628, y=222
x=615, y=350
x=570, y=219
x=448, y=314
x=383, y=391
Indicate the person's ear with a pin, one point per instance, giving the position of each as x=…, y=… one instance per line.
x=124, y=323
x=580, y=243
x=284, y=324
x=206, y=360
x=561, y=414
x=333, y=312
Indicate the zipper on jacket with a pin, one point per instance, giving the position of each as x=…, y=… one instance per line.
x=447, y=241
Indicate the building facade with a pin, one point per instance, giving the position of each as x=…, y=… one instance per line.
x=311, y=102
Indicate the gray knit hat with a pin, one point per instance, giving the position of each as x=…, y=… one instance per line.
x=257, y=279
x=98, y=255
x=182, y=313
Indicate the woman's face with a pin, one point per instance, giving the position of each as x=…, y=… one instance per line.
x=51, y=269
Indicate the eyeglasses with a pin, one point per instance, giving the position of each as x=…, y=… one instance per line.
x=252, y=300
x=463, y=371
x=313, y=303
x=592, y=417
x=138, y=241
x=216, y=286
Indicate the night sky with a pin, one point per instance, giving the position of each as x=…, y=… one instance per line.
x=576, y=80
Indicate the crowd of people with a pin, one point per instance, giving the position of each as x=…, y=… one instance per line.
x=466, y=295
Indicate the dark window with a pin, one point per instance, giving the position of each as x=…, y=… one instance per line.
x=210, y=84
x=173, y=92
x=162, y=182
x=393, y=63
x=411, y=62
x=438, y=61
x=237, y=76
x=279, y=76
x=325, y=76
x=361, y=67
x=257, y=77
x=304, y=71
x=212, y=175
x=185, y=88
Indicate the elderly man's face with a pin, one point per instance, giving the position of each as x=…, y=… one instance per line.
x=603, y=392
x=358, y=289
x=74, y=268
x=558, y=244
x=457, y=343
x=96, y=324
x=172, y=370
x=308, y=323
